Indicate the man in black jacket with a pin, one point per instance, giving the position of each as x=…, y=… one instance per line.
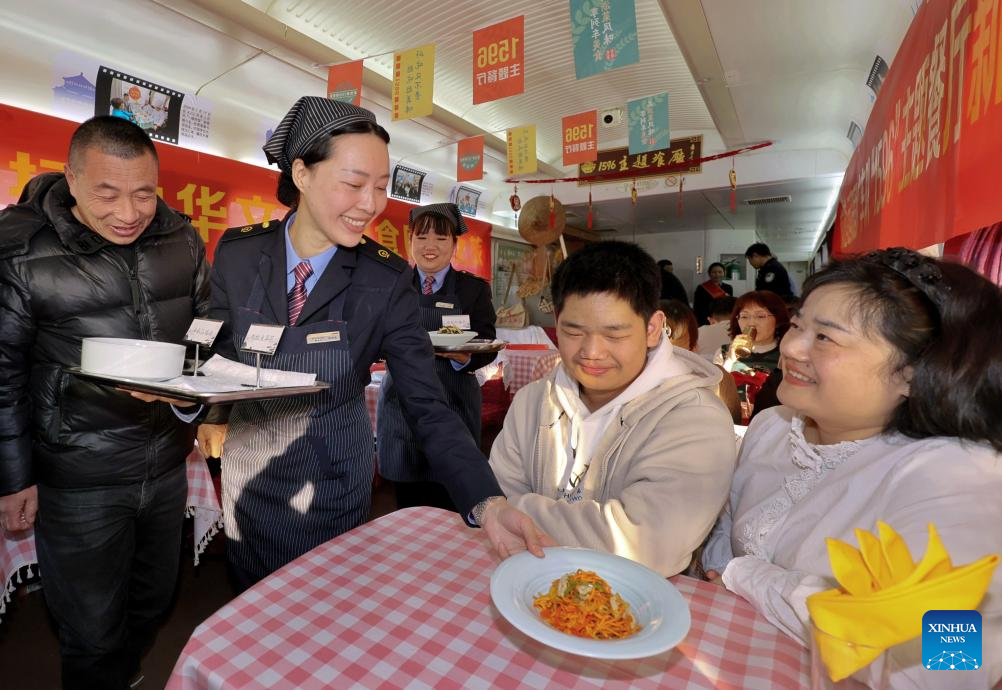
x=771, y=275
x=94, y=252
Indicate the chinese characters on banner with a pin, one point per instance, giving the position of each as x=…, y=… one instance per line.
x=580, y=141
x=413, y=79
x=924, y=170
x=344, y=82
x=648, y=120
x=604, y=33
x=680, y=158
x=522, y=150
x=217, y=193
x=498, y=65
x=473, y=251
x=470, y=159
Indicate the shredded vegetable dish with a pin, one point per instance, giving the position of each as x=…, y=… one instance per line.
x=583, y=604
x=451, y=330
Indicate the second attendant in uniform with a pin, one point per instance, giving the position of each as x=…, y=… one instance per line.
x=446, y=296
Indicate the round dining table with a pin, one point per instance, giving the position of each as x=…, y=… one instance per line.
x=404, y=602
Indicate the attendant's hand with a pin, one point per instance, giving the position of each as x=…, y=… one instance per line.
x=211, y=438
x=149, y=397
x=714, y=578
x=510, y=530
x=17, y=511
x=461, y=357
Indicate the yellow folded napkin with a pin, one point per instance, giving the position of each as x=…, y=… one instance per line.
x=884, y=595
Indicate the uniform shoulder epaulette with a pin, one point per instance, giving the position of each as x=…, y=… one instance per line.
x=475, y=277
x=18, y=224
x=381, y=254
x=250, y=230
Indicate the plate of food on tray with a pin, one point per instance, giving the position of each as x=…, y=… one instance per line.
x=451, y=336
x=590, y=603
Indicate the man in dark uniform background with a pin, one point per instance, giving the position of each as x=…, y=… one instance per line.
x=772, y=275
x=446, y=295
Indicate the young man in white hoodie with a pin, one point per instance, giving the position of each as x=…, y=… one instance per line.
x=625, y=447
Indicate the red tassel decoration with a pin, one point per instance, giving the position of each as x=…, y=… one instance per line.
x=734, y=189
x=516, y=203
x=553, y=213
x=678, y=207
x=590, y=217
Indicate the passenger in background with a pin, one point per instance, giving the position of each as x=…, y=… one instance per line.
x=772, y=275
x=891, y=395
x=445, y=293
x=671, y=286
x=682, y=330
x=711, y=290
x=766, y=314
x=624, y=447
x=718, y=332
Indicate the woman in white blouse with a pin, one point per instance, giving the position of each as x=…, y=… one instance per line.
x=892, y=410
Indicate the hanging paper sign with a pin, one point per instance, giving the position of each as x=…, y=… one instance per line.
x=155, y=108
x=604, y=33
x=648, y=119
x=681, y=156
x=344, y=82
x=580, y=137
x=498, y=65
x=522, y=150
x=407, y=183
x=470, y=159
x=413, y=79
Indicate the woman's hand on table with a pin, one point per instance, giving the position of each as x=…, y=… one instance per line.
x=511, y=531
x=211, y=438
x=714, y=578
x=17, y=511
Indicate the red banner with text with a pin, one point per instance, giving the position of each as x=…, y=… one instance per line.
x=925, y=168
x=216, y=192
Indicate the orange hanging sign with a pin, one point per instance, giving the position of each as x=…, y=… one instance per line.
x=470, y=159
x=344, y=82
x=580, y=140
x=498, y=60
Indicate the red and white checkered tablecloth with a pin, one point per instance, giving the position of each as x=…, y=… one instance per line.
x=404, y=602
x=17, y=550
x=522, y=367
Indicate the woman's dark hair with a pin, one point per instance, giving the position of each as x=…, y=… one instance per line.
x=945, y=322
x=620, y=268
x=772, y=303
x=716, y=263
x=681, y=319
x=434, y=223
x=287, y=192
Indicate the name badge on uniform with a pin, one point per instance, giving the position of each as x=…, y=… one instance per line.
x=461, y=321
x=327, y=337
x=263, y=338
x=445, y=305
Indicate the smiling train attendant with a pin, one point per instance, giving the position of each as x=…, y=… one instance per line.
x=444, y=292
x=298, y=472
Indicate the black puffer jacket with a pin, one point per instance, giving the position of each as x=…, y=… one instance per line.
x=60, y=282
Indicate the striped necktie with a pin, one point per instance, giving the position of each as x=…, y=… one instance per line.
x=429, y=282
x=297, y=295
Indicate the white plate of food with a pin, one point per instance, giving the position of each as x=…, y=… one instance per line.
x=451, y=337
x=641, y=612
